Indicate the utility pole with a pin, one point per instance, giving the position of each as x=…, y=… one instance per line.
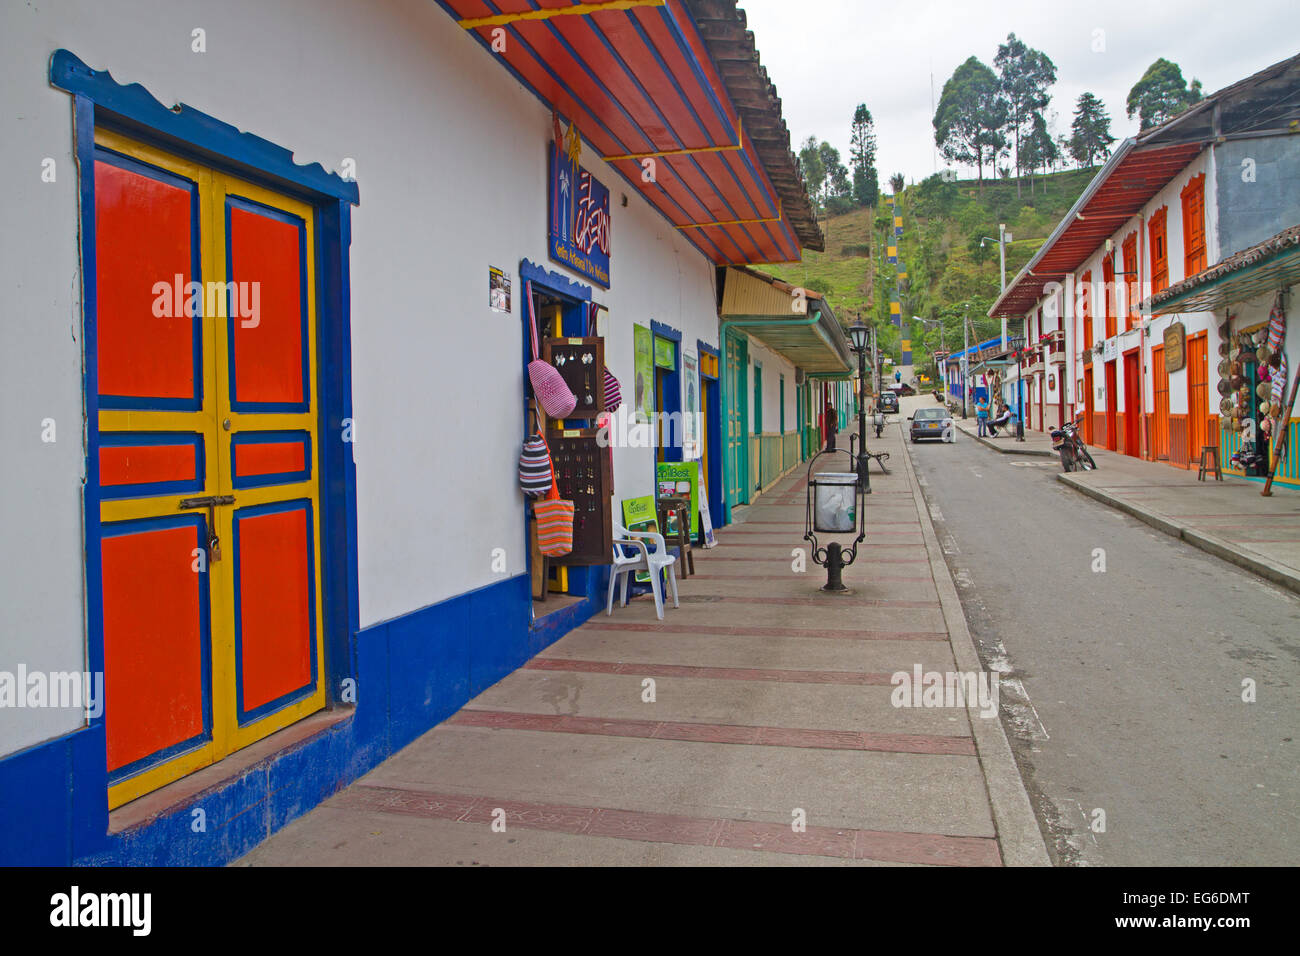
x=1003, y=239
x=965, y=358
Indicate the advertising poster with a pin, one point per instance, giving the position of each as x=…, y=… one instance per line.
x=498, y=290
x=691, y=422
x=706, y=518
x=644, y=382
x=639, y=515
x=681, y=479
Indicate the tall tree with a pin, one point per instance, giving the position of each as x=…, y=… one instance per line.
x=1039, y=150
x=1161, y=94
x=814, y=172
x=1024, y=75
x=837, y=183
x=862, y=157
x=971, y=115
x=1090, y=130
x=866, y=186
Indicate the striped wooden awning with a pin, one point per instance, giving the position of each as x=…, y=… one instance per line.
x=639, y=79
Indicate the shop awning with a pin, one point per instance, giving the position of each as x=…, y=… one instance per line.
x=1260, y=270
x=1118, y=192
x=1260, y=105
x=763, y=307
x=674, y=81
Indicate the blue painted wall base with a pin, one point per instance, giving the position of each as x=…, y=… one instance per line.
x=413, y=672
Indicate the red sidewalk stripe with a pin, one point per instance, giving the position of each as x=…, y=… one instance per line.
x=822, y=602
x=842, y=843
x=842, y=634
x=708, y=673
x=929, y=744
x=875, y=578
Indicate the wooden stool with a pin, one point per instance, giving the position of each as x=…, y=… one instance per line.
x=1213, y=452
x=681, y=507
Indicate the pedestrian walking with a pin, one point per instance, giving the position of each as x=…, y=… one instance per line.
x=982, y=415
x=830, y=425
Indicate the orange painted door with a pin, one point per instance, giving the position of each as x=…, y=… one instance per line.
x=1160, y=405
x=1112, y=400
x=1088, y=436
x=1132, y=403
x=1197, y=399
x=205, y=371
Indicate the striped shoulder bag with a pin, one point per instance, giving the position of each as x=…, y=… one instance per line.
x=554, y=520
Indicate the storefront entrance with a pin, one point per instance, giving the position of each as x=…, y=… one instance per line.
x=1112, y=388
x=737, y=467
x=1160, y=405
x=205, y=373
x=1132, y=403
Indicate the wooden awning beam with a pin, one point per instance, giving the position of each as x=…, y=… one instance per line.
x=733, y=222
x=738, y=144
x=580, y=9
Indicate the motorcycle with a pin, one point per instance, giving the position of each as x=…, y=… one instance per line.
x=1067, y=442
x=878, y=420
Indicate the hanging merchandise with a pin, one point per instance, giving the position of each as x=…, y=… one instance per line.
x=536, y=473
x=613, y=393
x=554, y=521
x=556, y=398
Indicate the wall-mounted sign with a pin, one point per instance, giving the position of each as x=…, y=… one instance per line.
x=498, y=290
x=579, y=219
x=665, y=353
x=1110, y=350
x=690, y=420
x=1175, y=342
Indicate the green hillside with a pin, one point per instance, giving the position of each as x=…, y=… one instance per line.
x=947, y=269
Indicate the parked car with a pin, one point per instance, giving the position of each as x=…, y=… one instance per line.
x=932, y=423
x=888, y=402
x=902, y=388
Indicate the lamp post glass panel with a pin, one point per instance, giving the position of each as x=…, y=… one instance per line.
x=835, y=499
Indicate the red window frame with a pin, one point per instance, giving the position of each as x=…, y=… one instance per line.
x=1128, y=252
x=1193, y=197
x=1085, y=312
x=1159, y=250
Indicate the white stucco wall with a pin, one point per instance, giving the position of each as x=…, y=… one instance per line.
x=450, y=154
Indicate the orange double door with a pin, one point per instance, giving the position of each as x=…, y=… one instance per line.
x=204, y=369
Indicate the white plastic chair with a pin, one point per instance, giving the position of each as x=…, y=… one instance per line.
x=641, y=558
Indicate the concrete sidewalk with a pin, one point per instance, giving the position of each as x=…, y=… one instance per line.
x=1035, y=443
x=771, y=704
x=1229, y=519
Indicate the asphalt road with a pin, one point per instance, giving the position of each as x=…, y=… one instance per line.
x=1123, y=688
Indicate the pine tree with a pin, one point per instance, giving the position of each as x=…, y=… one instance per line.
x=1090, y=130
x=862, y=157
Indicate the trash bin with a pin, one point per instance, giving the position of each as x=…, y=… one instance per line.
x=835, y=501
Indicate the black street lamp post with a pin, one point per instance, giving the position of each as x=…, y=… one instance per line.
x=836, y=501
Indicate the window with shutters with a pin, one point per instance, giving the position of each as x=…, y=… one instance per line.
x=1159, y=251
x=1132, y=292
x=1193, y=196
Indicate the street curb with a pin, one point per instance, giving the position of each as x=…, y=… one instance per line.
x=1019, y=838
x=1211, y=544
x=1001, y=449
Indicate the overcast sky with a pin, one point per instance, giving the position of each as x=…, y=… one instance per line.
x=826, y=56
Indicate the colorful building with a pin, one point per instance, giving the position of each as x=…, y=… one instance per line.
x=266, y=397
x=1136, y=309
